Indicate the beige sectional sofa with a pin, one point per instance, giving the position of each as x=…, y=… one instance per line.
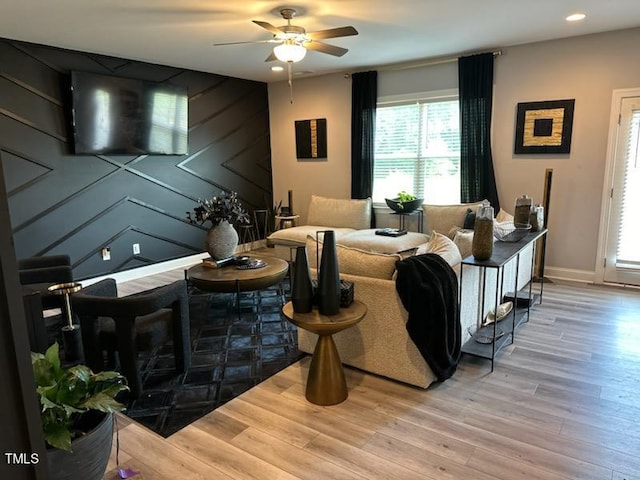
x=380, y=343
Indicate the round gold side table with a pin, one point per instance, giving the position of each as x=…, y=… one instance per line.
x=326, y=384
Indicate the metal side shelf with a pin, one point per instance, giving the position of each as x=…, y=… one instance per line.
x=485, y=350
x=490, y=343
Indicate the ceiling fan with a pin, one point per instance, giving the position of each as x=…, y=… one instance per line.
x=293, y=41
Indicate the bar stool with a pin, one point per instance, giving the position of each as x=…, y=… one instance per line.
x=262, y=222
x=247, y=234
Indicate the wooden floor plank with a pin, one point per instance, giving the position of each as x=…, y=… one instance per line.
x=154, y=457
x=430, y=465
x=360, y=461
x=234, y=462
x=300, y=462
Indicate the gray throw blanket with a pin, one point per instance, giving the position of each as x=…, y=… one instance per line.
x=428, y=288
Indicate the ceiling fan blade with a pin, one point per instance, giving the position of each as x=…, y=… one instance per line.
x=326, y=48
x=244, y=43
x=268, y=26
x=333, y=33
x=271, y=58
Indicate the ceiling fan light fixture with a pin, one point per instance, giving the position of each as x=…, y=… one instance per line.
x=575, y=17
x=289, y=52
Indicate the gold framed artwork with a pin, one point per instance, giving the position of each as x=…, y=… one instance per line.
x=311, y=139
x=544, y=127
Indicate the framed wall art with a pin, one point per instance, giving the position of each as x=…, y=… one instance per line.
x=311, y=139
x=544, y=127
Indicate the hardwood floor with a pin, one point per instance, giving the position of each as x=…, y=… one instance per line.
x=562, y=403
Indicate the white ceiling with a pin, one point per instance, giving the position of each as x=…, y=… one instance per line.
x=181, y=33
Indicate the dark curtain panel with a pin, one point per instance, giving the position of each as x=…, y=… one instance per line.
x=364, y=94
x=475, y=83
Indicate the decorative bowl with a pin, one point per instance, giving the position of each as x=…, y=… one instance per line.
x=508, y=232
x=403, y=207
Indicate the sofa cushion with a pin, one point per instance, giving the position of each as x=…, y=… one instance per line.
x=354, y=261
x=463, y=239
x=297, y=236
x=339, y=212
x=443, y=218
x=442, y=246
x=504, y=216
x=368, y=240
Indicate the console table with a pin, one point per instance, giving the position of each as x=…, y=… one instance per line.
x=503, y=253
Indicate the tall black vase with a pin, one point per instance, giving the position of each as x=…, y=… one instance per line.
x=301, y=291
x=329, y=277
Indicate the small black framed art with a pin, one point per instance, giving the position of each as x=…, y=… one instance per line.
x=311, y=139
x=544, y=127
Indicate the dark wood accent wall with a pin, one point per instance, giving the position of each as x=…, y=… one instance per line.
x=77, y=204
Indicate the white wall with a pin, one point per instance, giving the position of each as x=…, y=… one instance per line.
x=588, y=69
x=319, y=97
x=585, y=68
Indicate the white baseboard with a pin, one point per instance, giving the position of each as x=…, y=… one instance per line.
x=559, y=273
x=161, y=267
x=147, y=270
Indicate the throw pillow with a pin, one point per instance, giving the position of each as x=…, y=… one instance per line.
x=503, y=216
x=469, y=219
x=443, y=246
x=463, y=239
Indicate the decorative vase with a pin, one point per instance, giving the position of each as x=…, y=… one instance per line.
x=89, y=456
x=301, y=290
x=522, y=211
x=221, y=240
x=482, y=243
x=329, y=276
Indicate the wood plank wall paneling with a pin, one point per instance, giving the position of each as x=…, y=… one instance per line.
x=78, y=204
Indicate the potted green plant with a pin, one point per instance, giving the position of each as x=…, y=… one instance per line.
x=222, y=211
x=77, y=407
x=404, y=202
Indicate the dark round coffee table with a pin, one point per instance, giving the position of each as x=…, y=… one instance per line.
x=230, y=279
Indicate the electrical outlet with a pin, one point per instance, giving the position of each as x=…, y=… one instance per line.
x=136, y=249
x=106, y=253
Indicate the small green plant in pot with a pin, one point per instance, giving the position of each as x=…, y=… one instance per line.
x=68, y=393
x=404, y=202
x=77, y=407
x=76, y=412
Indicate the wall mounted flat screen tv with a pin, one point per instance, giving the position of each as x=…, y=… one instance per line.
x=116, y=115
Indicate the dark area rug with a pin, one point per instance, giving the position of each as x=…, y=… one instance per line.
x=231, y=353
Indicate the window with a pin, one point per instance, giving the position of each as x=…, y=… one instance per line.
x=417, y=149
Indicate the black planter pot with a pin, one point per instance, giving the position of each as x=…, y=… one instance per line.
x=329, y=277
x=301, y=291
x=89, y=457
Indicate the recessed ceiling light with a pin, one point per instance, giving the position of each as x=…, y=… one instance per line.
x=277, y=68
x=575, y=17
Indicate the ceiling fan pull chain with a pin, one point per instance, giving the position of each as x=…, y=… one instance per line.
x=290, y=83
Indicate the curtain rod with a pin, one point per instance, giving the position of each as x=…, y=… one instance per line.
x=426, y=63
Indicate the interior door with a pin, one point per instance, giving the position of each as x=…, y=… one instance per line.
x=622, y=251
